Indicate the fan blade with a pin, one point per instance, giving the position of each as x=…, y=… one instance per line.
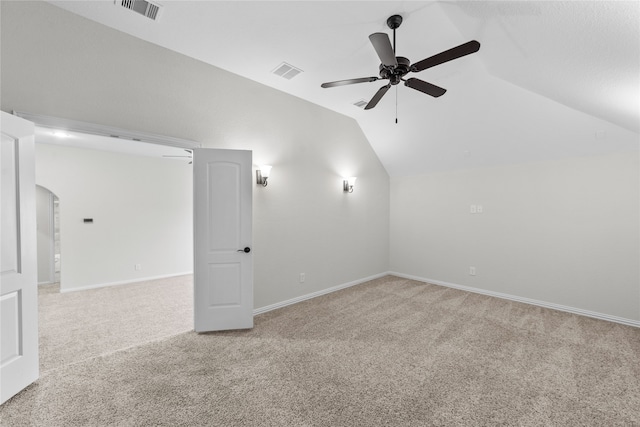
x=425, y=87
x=377, y=97
x=349, y=82
x=448, y=55
x=382, y=45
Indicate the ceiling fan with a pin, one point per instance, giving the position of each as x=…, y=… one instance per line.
x=395, y=68
x=190, y=156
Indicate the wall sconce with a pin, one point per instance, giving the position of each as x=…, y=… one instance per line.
x=347, y=184
x=262, y=174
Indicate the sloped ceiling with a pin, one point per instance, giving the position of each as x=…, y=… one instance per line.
x=552, y=79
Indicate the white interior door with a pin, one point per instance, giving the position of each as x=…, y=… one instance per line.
x=223, y=261
x=18, y=266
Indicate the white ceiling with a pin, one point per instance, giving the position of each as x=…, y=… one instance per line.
x=46, y=135
x=551, y=79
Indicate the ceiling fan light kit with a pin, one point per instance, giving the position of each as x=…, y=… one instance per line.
x=395, y=68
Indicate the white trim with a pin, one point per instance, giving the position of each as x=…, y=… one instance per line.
x=565, y=308
x=96, y=129
x=315, y=294
x=124, y=282
x=45, y=283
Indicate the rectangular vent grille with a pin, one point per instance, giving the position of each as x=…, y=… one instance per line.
x=361, y=103
x=143, y=7
x=286, y=71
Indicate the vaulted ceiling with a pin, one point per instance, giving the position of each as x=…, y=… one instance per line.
x=552, y=78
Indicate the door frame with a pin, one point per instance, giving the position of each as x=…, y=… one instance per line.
x=95, y=129
x=56, y=123
x=108, y=131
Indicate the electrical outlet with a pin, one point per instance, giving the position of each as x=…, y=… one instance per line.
x=479, y=209
x=473, y=209
x=138, y=267
x=302, y=277
x=472, y=271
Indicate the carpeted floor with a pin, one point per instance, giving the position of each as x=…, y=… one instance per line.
x=76, y=326
x=390, y=352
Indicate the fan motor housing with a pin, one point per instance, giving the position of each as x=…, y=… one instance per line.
x=394, y=21
x=395, y=74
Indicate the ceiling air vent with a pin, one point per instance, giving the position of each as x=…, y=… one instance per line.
x=286, y=71
x=143, y=7
x=361, y=103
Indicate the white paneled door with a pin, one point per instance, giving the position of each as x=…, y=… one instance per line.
x=223, y=257
x=18, y=268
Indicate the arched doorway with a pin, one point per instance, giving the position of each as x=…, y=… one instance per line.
x=48, y=236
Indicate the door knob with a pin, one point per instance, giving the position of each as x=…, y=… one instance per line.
x=245, y=250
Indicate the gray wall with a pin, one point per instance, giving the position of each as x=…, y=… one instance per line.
x=564, y=232
x=58, y=64
x=141, y=209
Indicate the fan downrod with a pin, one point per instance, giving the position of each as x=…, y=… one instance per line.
x=394, y=21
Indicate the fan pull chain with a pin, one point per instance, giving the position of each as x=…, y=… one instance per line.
x=396, y=104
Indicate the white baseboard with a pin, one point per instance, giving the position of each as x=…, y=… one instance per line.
x=123, y=282
x=565, y=308
x=315, y=294
x=559, y=307
x=45, y=283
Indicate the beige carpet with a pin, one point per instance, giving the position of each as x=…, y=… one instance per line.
x=390, y=352
x=76, y=326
